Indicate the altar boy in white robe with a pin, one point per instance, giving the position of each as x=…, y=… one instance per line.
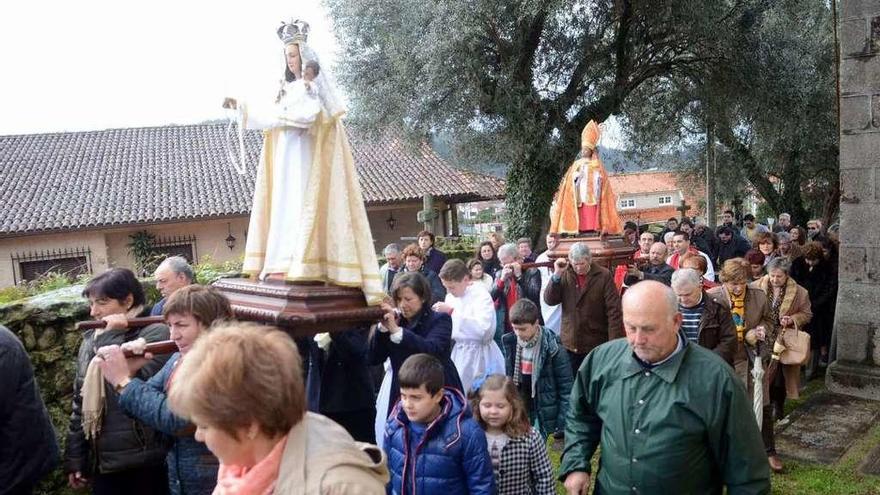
x=474, y=351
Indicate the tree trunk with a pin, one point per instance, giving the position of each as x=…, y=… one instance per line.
x=831, y=205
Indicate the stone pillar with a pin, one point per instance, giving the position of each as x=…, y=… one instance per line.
x=857, y=321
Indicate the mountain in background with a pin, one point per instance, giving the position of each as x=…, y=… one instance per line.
x=616, y=160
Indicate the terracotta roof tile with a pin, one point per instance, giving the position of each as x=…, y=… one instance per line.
x=655, y=182
x=72, y=180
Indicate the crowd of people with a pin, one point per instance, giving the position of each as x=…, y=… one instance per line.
x=474, y=364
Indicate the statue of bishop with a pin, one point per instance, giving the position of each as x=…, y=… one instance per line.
x=584, y=201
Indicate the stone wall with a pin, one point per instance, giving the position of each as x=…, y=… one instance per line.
x=857, y=370
x=45, y=325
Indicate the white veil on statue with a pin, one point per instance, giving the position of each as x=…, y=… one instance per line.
x=325, y=82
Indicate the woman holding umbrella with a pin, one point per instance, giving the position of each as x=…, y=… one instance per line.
x=751, y=313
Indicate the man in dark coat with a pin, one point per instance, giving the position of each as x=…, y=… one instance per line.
x=730, y=245
x=28, y=449
x=705, y=321
x=512, y=283
x=338, y=382
x=590, y=303
x=657, y=269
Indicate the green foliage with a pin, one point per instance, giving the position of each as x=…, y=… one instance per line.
x=208, y=271
x=514, y=82
x=486, y=215
x=46, y=282
x=770, y=104
x=142, y=250
x=14, y=293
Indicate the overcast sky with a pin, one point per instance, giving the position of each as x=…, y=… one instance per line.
x=102, y=64
x=97, y=64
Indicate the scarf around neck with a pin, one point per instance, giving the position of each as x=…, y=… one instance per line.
x=259, y=479
x=520, y=345
x=93, y=390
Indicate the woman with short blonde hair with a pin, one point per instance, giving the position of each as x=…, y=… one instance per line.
x=242, y=386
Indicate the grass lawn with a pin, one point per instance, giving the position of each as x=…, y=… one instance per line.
x=800, y=478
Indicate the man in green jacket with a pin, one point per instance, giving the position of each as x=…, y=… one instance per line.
x=670, y=416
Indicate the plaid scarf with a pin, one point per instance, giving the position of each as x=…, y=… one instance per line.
x=775, y=305
x=517, y=363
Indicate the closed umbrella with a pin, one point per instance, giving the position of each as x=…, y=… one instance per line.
x=758, y=387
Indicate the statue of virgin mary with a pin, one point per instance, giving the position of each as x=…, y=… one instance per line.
x=308, y=221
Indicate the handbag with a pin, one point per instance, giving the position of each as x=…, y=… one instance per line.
x=797, y=346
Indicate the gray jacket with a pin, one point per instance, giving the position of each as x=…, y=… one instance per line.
x=124, y=442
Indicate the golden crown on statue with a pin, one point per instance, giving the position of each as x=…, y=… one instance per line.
x=294, y=31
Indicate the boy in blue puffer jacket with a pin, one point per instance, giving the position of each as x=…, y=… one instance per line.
x=433, y=444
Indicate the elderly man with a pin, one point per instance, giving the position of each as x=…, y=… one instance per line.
x=681, y=244
x=513, y=283
x=590, y=303
x=669, y=415
x=434, y=258
x=705, y=321
x=392, y=265
x=657, y=268
x=552, y=315
x=783, y=223
x=170, y=275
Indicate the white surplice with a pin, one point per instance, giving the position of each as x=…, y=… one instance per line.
x=552, y=314
x=474, y=352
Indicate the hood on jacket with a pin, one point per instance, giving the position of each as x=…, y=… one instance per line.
x=453, y=406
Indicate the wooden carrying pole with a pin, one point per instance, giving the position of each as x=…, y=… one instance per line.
x=132, y=323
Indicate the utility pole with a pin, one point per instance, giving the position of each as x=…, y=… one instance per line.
x=711, y=213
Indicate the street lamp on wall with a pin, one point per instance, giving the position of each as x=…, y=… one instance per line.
x=230, y=239
x=391, y=221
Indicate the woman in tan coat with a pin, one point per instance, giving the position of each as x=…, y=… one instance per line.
x=790, y=310
x=242, y=386
x=750, y=309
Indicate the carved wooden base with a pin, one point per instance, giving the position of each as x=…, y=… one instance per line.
x=301, y=309
x=608, y=251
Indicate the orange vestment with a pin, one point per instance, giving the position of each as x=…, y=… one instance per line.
x=584, y=200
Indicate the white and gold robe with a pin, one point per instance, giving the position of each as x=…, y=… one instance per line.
x=308, y=218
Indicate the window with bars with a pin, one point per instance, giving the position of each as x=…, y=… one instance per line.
x=31, y=265
x=627, y=203
x=665, y=200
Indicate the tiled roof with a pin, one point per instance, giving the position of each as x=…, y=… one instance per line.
x=74, y=180
x=655, y=182
x=643, y=182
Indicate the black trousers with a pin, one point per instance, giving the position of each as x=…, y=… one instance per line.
x=576, y=360
x=767, y=431
x=361, y=425
x=138, y=481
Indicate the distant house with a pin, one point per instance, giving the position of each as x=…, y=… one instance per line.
x=72, y=200
x=653, y=196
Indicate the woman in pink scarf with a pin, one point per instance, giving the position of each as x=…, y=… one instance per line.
x=242, y=386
